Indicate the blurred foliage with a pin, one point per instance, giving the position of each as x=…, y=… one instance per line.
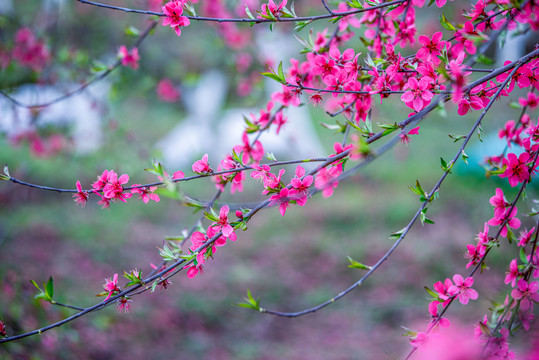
x=291, y=262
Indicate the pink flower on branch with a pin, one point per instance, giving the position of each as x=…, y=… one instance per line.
x=81, y=197
x=114, y=190
x=300, y=187
x=431, y=48
x=326, y=180
x=202, y=166
x=173, y=11
x=124, y=305
x=512, y=273
x=223, y=223
x=512, y=221
x=462, y=289
x=271, y=8
x=129, y=58
x=527, y=293
x=146, y=193
x=516, y=169
x=283, y=199
x=166, y=91
x=111, y=286
x=405, y=138
x=418, y=95
x=255, y=152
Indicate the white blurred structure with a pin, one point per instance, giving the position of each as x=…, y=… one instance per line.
x=208, y=128
x=79, y=113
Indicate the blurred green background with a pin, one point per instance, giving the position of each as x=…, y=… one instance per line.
x=290, y=262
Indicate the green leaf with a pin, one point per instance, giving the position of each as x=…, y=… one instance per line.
x=515, y=105
x=357, y=265
x=6, y=171
x=479, y=132
x=301, y=24
x=248, y=12
x=418, y=190
x=190, y=9
x=433, y=294
x=285, y=13
x=446, y=24
x=98, y=66
x=457, y=137
x=270, y=156
x=389, y=128
x=132, y=31
x=35, y=284
x=49, y=288
x=280, y=71
x=397, y=234
x=408, y=332
x=464, y=157
x=250, y=302
x=446, y=167
x=154, y=285
x=279, y=76
x=212, y=215
x=523, y=256
x=485, y=60
x=157, y=169
x=355, y=4
x=167, y=254
x=424, y=218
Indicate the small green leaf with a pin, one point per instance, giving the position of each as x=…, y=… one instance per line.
x=248, y=12
x=357, y=265
x=132, y=31
x=408, y=332
x=457, y=137
x=6, y=171
x=515, y=105
x=446, y=24
x=479, y=132
x=98, y=66
x=35, y=284
x=212, y=215
x=250, y=302
x=301, y=24
x=523, y=256
x=49, y=288
x=397, y=234
x=154, y=285
x=280, y=70
x=465, y=157
x=355, y=4
x=433, y=294
x=339, y=128
x=270, y=156
x=167, y=254
x=389, y=128
x=418, y=190
x=446, y=167
x=484, y=60
x=279, y=76
x=424, y=218
x=190, y=9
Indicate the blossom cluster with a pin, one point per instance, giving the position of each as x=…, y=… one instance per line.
x=30, y=51
x=220, y=225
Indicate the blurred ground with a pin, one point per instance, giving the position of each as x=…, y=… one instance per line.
x=291, y=262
